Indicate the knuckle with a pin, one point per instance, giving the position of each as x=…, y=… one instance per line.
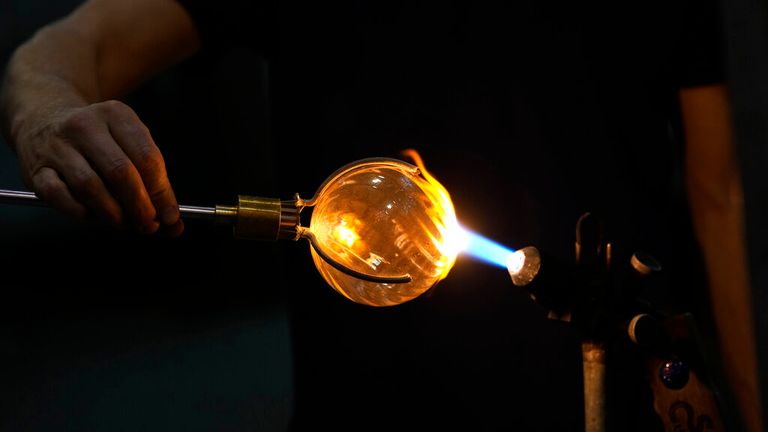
x=113, y=107
x=159, y=193
x=145, y=214
x=137, y=137
x=46, y=187
x=86, y=183
x=79, y=123
x=138, y=131
x=151, y=161
x=119, y=170
x=42, y=153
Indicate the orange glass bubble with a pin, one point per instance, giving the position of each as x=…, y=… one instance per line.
x=385, y=218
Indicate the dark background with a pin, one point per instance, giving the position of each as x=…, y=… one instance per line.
x=106, y=330
x=110, y=330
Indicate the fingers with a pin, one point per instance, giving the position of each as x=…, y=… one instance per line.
x=86, y=186
x=51, y=189
x=174, y=230
x=102, y=160
x=137, y=143
x=118, y=172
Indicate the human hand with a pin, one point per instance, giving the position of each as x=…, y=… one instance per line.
x=99, y=161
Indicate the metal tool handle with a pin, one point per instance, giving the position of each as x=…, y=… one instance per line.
x=14, y=197
x=256, y=218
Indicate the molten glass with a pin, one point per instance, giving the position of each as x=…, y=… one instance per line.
x=386, y=218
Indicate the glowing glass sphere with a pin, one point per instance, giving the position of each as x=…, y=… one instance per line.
x=384, y=218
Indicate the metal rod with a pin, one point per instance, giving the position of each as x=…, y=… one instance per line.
x=14, y=197
x=593, y=356
x=194, y=212
x=20, y=198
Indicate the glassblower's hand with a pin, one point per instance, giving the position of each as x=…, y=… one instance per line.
x=99, y=161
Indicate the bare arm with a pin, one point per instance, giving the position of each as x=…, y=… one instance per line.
x=715, y=194
x=81, y=151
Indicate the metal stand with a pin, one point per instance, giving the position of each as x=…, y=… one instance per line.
x=593, y=357
x=601, y=293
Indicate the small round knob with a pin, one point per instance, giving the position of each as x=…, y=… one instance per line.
x=644, y=264
x=674, y=374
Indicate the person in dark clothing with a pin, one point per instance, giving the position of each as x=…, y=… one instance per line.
x=529, y=113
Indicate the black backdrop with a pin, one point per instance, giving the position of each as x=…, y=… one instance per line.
x=106, y=330
x=110, y=330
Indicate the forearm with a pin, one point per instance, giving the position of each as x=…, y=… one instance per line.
x=80, y=151
x=54, y=70
x=716, y=200
x=719, y=228
x=100, y=51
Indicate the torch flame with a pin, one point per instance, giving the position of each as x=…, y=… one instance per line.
x=451, y=238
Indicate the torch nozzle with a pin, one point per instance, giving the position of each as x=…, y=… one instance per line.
x=523, y=265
